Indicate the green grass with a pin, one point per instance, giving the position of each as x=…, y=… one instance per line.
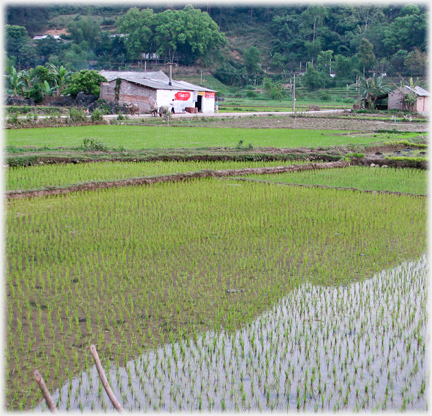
x=140, y=137
x=36, y=177
x=377, y=179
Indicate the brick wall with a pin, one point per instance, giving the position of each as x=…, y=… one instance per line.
x=395, y=100
x=130, y=93
x=107, y=91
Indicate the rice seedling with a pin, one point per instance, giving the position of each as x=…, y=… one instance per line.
x=137, y=268
x=359, y=177
x=145, y=137
x=43, y=176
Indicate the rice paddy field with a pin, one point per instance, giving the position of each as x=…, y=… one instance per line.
x=357, y=347
x=43, y=176
x=377, y=179
x=150, y=137
x=218, y=294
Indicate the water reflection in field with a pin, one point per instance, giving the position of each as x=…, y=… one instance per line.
x=362, y=346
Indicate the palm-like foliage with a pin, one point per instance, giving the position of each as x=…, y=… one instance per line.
x=61, y=75
x=28, y=79
x=15, y=81
x=373, y=87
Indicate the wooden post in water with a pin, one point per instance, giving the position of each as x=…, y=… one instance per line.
x=104, y=380
x=43, y=387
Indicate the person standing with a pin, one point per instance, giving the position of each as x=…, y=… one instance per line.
x=172, y=107
x=217, y=106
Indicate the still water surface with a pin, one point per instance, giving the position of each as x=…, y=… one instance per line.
x=356, y=347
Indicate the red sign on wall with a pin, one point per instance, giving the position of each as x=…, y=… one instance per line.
x=210, y=95
x=182, y=95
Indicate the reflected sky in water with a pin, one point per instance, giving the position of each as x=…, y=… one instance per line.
x=356, y=347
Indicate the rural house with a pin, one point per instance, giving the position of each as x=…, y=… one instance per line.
x=147, y=89
x=421, y=99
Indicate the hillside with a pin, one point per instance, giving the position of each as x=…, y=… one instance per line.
x=251, y=42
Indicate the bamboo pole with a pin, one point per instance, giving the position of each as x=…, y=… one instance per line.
x=42, y=386
x=104, y=380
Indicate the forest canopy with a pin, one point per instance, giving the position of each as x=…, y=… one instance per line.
x=238, y=44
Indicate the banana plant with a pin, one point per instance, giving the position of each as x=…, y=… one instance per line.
x=61, y=75
x=15, y=81
x=28, y=79
x=372, y=87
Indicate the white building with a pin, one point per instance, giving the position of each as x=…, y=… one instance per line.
x=147, y=89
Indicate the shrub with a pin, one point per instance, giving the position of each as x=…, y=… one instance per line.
x=94, y=145
x=324, y=95
x=77, y=115
x=97, y=116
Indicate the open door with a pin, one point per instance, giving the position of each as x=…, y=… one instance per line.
x=198, y=104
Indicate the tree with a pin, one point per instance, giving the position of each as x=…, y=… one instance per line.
x=407, y=31
x=84, y=30
x=275, y=90
x=312, y=79
x=366, y=55
x=252, y=58
x=139, y=27
x=416, y=61
x=367, y=15
x=77, y=57
x=16, y=38
x=86, y=81
x=47, y=47
x=314, y=16
x=18, y=45
x=313, y=49
x=35, y=18
x=324, y=61
x=189, y=33
x=277, y=61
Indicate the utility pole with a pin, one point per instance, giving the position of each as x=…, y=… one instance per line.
x=170, y=73
x=358, y=91
x=201, y=77
x=293, y=95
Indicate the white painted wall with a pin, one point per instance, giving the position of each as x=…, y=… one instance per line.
x=183, y=99
x=208, y=103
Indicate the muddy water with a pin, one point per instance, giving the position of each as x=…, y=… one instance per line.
x=358, y=347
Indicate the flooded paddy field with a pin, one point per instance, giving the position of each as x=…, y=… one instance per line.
x=136, y=270
x=361, y=346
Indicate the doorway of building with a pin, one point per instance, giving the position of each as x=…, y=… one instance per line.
x=198, y=104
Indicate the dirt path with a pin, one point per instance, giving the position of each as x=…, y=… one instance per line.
x=316, y=122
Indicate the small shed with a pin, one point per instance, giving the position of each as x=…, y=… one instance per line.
x=396, y=99
x=154, y=88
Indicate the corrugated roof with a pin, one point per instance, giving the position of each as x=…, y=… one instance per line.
x=419, y=91
x=134, y=75
x=157, y=80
